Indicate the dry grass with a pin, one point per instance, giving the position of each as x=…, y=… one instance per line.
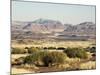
x=55, y=44
x=70, y=63
x=16, y=56
x=88, y=65
x=20, y=71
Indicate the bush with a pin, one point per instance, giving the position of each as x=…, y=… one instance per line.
x=51, y=47
x=61, y=48
x=45, y=48
x=30, y=59
x=18, y=51
x=54, y=58
x=26, y=48
x=91, y=49
x=46, y=58
x=76, y=52
x=35, y=58
x=33, y=49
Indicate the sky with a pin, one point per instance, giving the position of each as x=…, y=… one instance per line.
x=66, y=13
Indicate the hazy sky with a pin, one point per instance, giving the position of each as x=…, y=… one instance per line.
x=73, y=14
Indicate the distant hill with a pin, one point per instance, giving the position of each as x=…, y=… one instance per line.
x=46, y=28
x=40, y=26
x=82, y=28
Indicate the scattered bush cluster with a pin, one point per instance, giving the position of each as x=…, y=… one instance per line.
x=37, y=57
x=33, y=49
x=47, y=58
x=24, y=50
x=59, y=48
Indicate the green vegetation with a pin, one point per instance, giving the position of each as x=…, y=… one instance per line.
x=91, y=49
x=25, y=50
x=54, y=58
x=35, y=58
x=33, y=49
x=51, y=48
x=47, y=58
x=61, y=48
x=18, y=51
x=40, y=56
x=68, y=59
x=76, y=52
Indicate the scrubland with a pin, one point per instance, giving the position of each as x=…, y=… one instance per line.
x=49, y=56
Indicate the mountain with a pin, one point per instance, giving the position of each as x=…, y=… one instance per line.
x=46, y=28
x=38, y=27
x=82, y=31
x=84, y=28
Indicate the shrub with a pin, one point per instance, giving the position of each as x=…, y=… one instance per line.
x=26, y=48
x=18, y=51
x=47, y=58
x=54, y=58
x=29, y=59
x=33, y=49
x=51, y=47
x=45, y=48
x=91, y=49
x=61, y=48
x=76, y=52
x=35, y=58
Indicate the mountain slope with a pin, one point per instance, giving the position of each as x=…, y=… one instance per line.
x=45, y=28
